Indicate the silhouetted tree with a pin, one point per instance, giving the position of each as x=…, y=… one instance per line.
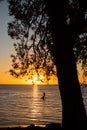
x=52, y=35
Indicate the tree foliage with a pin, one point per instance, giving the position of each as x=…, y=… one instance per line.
x=29, y=28
x=34, y=47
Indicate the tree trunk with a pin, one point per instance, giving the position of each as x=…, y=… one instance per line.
x=73, y=110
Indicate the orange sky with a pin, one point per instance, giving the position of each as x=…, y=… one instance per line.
x=6, y=49
x=6, y=78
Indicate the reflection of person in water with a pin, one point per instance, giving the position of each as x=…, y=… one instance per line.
x=43, y=97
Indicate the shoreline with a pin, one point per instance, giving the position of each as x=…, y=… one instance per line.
x=33, y=127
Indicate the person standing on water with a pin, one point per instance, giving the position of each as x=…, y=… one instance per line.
x=43, y=97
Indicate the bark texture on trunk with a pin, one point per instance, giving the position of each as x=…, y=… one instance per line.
x=73, y=110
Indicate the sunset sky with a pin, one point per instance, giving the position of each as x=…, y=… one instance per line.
x=6, y=49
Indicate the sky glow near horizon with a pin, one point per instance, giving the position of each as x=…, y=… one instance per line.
x=6, y=49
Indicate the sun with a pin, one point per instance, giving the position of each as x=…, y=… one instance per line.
x=37, y=79
x=41, y=80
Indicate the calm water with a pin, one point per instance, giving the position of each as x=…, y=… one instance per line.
x=22, y=105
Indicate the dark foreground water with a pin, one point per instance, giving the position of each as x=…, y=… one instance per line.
x=22, y=105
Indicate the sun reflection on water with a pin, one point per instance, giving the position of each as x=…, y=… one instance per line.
x=35, y=108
